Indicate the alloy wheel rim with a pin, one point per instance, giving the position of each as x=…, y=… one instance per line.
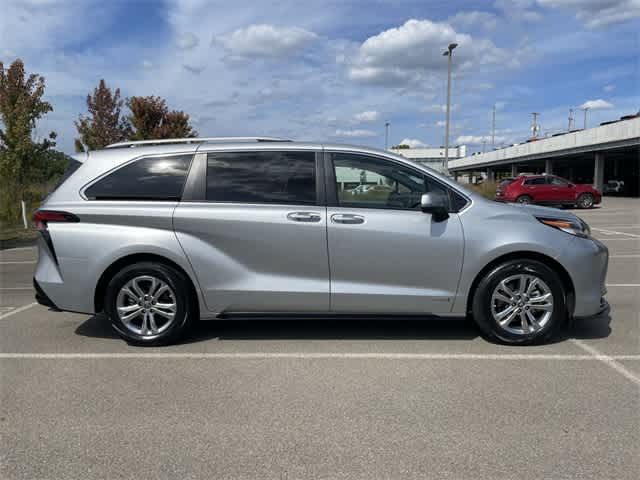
x=146, y=305
x=522, y=304
x=586, y=201
x=523, y=200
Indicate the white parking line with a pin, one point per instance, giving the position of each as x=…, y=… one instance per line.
x=631, y=255
x=17, y=310
x=623, y=284
x=16, y=288
x=607, y=239
x=30, y=262
x=310, y=355
x=609, y=360
x=18, y=248
x=615, y=232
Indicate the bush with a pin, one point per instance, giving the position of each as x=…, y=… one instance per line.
x=486, y=189
x=10, y=208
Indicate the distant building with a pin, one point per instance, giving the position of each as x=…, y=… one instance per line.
x=431, y=157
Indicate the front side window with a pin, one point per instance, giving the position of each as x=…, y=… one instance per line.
x=262, y=177
x=559, y=182
x=152, y=178
x=368, y=182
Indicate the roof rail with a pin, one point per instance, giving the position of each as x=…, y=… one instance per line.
x=165, y=141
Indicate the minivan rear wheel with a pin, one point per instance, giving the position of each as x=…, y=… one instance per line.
x=149, y=304
x=520, y=302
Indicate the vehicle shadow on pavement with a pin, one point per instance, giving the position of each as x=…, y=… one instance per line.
x=98, y=326
x=378, y=328
x=590, y=328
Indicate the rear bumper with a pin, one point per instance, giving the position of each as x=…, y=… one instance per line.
x=42, y=298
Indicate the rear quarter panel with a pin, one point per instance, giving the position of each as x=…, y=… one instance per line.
x=107, y=232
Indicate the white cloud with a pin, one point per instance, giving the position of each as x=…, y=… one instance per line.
x=408, y=54
x=598, y=104
x=357, y=133
x=366, y=116
x=609, y=88
x=467, y=20
x=519, y=10
x=195, y=69
x=147, y=64
x=441, y=123
x=598, y=13
x=187, y=41
x=438, y=108
x=265, y=41
x=413, y=143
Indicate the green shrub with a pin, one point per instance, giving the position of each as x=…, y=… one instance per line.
x=486, y=189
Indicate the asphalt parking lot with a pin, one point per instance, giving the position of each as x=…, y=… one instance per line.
x=323, y=399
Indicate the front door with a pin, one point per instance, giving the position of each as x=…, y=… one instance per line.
x=258, y=239
x=385, y=254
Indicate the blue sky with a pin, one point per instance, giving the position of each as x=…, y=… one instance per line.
x=337, y=70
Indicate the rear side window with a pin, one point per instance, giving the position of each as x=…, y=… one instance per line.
x=536, y=181
x=262, y=177
x=153, y=178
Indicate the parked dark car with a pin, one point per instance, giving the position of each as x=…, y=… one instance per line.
x=548, y=190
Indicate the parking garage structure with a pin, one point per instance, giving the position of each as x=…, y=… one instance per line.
x=607, y=155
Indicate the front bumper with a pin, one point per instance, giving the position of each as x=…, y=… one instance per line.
x=587, y=261
x=605, y=308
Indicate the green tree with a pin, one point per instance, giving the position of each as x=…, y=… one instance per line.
x=104, y=124
x=150, y=119
x=21, y=157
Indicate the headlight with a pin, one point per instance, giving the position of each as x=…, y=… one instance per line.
x=573, y=227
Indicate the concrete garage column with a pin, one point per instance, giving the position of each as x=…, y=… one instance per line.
x=598, y=171
x=490, y=174
x=548, y=166
x=514, y=170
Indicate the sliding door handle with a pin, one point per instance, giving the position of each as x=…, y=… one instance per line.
x=304, y=217
x=349, y=218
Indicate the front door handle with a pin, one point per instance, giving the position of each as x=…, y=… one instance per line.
x=304, y=216
x=349, y=218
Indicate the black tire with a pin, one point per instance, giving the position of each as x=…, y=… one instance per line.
x=481, y=304
x=524, y=199
x=585, y=200
x=185, y=310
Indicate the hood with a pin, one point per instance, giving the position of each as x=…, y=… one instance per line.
x=539, y=211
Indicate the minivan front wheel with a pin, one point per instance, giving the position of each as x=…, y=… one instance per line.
x=520, y=302
x=149, y=304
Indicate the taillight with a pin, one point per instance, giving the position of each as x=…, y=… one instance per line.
x=42, y=217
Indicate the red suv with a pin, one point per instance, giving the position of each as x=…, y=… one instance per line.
x=549, y=190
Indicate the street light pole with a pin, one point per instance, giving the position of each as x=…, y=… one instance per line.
x=448, y=53
x=386, y=135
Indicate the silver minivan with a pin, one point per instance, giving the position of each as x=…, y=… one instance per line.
x=160, y=234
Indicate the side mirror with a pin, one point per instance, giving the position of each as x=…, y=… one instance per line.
x=435, y=205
